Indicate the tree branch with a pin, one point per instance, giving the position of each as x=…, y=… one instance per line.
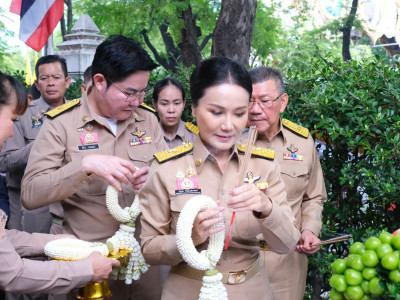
x=158, y=58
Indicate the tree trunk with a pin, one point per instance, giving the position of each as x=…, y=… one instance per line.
x=69, y=14
x=189, y=46
x=347, y=30
x=63, y=29
x=234, y=29
x=174, y=56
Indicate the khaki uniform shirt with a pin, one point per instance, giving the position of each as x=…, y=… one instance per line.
x=32, y=276
x=182, y=134
x=15, y=153
x=161, y=203
x=304, y=180
x=54, y=171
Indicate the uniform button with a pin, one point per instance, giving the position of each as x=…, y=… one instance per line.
x=198, y=162
x=85, y=118
x=222, y=192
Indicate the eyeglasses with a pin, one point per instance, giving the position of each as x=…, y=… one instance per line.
x=136, y=94
x=264, y=103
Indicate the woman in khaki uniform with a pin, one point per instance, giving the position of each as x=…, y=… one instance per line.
x=220, y=90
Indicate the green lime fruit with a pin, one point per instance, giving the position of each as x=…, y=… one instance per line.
x=366, y=297
x=369, y=273
x=335, y=295
x=339, y=266
x=370, y=258
x=357, y=248
x=372, y=243
x=396, y=242
x=383, y=250
x=355, y=292
x=356, y=263
x=386, y=237
x=394, y=276
x=376, y=287
x=353, y=277
x=338, y=282
x=390, y=262
x=364, y=286
x=397, y=253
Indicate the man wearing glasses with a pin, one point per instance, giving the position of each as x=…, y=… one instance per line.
x=104, y=138
x=302, y=174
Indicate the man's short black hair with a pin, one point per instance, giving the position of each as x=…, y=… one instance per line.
x=48, y=59
x=119, y=57
x=87, y=76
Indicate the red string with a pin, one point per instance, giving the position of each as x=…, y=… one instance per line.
x=229, y=232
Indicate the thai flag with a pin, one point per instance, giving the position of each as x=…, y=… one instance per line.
x=38, y=20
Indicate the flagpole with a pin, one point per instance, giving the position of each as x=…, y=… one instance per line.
x=48, y=49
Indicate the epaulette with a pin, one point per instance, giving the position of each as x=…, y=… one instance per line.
x=300, y=130
x=63, y=108
x=193, y=128
x=173, y=153
x=258, y=151
x=146, y=107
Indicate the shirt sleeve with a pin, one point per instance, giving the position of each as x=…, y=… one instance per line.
x=47, y=179
x=314, y=196
x=158, y=245
x=279, y=229
x=15, y=152
x=32, y=276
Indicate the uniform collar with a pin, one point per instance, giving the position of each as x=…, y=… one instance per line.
x=180, y=132
x=280, y=134
x=87, y=114
x=201, y=154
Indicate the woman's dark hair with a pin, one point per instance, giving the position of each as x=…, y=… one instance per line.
x=161, y=84
x=215, y=71
x=118, y=57
x=7, y=83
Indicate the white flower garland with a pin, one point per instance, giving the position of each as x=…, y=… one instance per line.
x=124, y=238
x=73, y=249
x=212, y=288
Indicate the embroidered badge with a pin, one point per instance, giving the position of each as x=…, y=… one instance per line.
x=292, y=149
x=287, y=156
x=251, y=178
x=140, y=141
x=89, y=127
x=138, y=132
x=37, y=121
x=89, y=138
x=187, y=183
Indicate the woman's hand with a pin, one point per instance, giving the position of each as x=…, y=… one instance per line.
x=202, y=225
x=249, y=197
x=111, y=168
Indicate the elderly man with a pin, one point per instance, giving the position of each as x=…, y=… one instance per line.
x=52, y=82
x=104, y=138
x=301, y=172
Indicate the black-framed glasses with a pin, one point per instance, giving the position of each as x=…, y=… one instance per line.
x=264, y=103
x=136, y=94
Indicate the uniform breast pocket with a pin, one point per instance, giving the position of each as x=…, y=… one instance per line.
x=296, y=176
x=142, y=155
x=246, y=225
x=177, y=204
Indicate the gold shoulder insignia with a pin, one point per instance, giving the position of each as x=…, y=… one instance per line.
x=191, y=127
x=173, y=153
x=63, y=108
x=146, y=107
x=258, y=151
x=300, y=130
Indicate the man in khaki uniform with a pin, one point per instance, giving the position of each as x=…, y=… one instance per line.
x=98, y=140
x=300, y=170
x=52, y=82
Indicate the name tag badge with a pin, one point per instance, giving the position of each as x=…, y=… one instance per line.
x=89, y=147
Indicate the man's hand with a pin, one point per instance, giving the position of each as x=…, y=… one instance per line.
x=112, y=168
x=102, y=266
x=140, y=177
x=309, y=243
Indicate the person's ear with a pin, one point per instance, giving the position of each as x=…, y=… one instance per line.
x=100, y=82
x=284, y=102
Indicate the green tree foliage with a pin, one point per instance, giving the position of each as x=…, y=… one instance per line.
x=353, y=108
